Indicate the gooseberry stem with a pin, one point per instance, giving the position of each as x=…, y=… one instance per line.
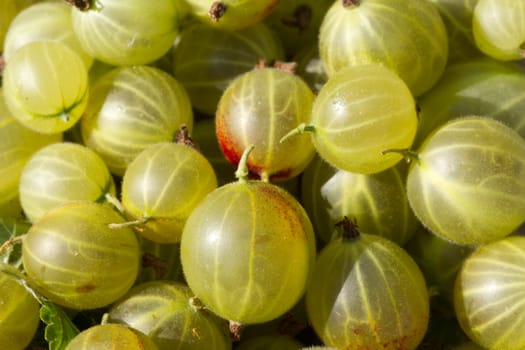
x=11, y=242
x=242, y=168
x=137, y=222
x=408, y=154
x=301, y=129
x=114, y=201
x=183, y=137
x=20, y=278
x=64, y=116
x=196, y=303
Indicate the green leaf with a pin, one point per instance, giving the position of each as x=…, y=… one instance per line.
x=9, y=229
x=59, y=330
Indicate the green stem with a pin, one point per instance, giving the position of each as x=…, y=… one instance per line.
x=301, y=129
x=196, y=304
x=242, y=168
x=137, y=222
x=114, y=201
x=11, y=242
x=22, y=280
x=408, y=154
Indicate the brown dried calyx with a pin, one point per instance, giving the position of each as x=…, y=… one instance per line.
x=157, y=264
x=350, y=3
x=217, y=10
x=289, y=67
x=350, y=230
x=2, y=66
x=183, y=137
x=236, y=331
x=301, y=18
x=82, y=5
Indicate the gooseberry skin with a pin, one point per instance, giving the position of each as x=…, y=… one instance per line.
x=8, y=11
x=168, y=314
x=367, y=293
x=489, y=294
x=45, y=86
x=297, y=22
x=133, y=32
x=378, y=202
x=360, y=112
x=131, y=108
x=19, y=315
x=481, y=86
x=109, y=337
x=499, y=30
x=76, y=260
x=247, y=251
x=178, y=178
x=269, y=342
x=165, y=263
x=238, y=14
x=17, y=145
x=206, y=59
x=60, y=173
x=457, y=17
x=407, y=36
x=254, y=110
x=439, y=261
x=43, y=21
x=467, y=184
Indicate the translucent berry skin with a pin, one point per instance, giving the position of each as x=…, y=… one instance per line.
x=259, y=108
x=269, y=342
x=17, y=145
x=488, y=295
x=168, y=314
x=178, y=178
x=468, y=182
x=133, y=32
x=131, y=108
x=18, y=314
x=109, y=337
x=43, y=21
x=76, y=260
x=45, y=86
x=206, y=59
x=60, y=173
x=360, y=112
x=407, y=36
x=234, y=14
x=377, y=201
x=499, y=29
x=481, y=86
x=457, y=17
x=367, y=293
x=247, y=251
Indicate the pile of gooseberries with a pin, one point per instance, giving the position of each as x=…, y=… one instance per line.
x=262, y=174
